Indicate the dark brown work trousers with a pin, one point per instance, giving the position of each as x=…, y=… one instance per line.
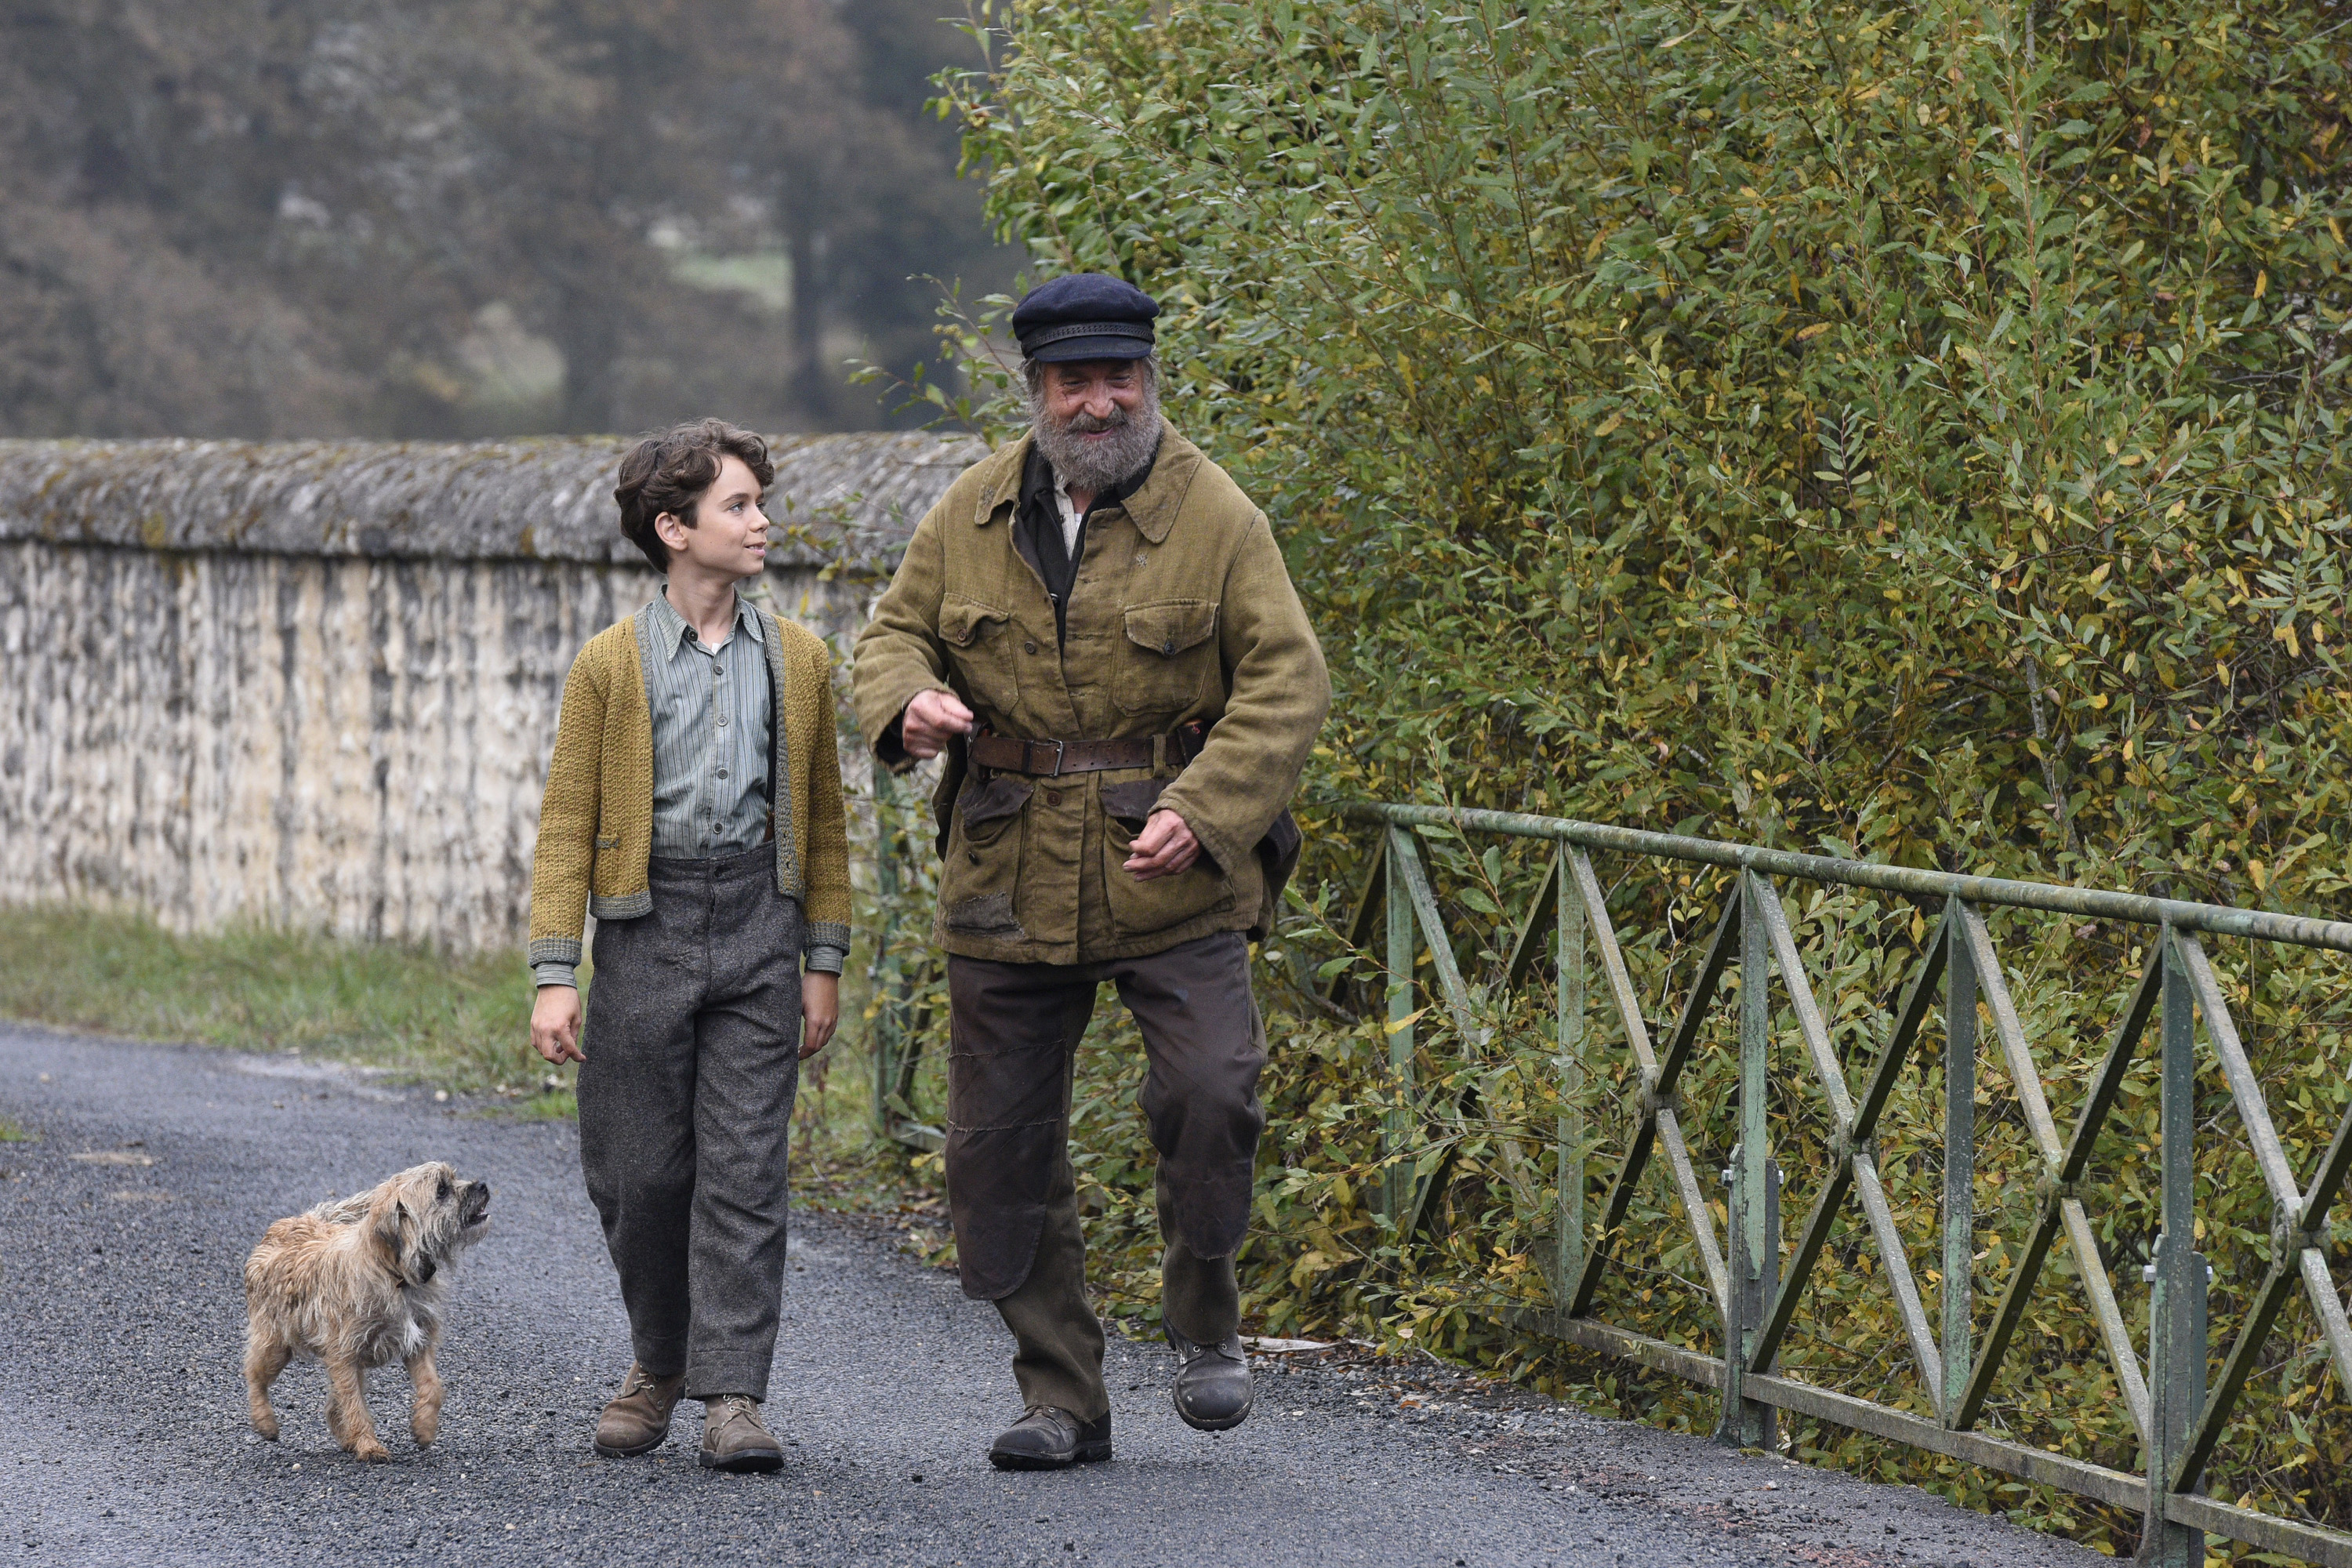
x=1012, y=1192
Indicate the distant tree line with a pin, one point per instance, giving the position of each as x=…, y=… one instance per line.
x=469, y=216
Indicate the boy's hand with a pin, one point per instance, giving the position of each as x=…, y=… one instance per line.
x=555, y=1024
x=820, y=1010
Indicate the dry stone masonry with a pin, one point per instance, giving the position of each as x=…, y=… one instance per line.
x=314, y=683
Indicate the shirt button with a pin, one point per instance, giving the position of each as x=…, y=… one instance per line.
x=722, y=721
x=1028, y=647
x=973, y=856
x=1053, y=797
x=722, y=773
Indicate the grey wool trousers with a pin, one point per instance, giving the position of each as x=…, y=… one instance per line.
x=686, y=1101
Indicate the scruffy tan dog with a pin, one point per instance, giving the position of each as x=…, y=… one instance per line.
x=354, y=1283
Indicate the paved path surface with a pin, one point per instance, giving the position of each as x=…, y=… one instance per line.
x=124, y=1229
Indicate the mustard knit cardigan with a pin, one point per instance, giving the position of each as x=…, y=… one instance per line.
x=596, y=820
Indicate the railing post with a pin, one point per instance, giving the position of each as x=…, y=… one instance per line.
x=1570, y=1163
x=1755, y=1239
x=1959, y=1161
x=2177, y=1278
x=883, y=973
x=1396, y=1181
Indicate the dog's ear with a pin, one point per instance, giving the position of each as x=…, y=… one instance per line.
x=390, y=1225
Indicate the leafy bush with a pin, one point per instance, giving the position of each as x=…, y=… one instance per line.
x=1912, y=432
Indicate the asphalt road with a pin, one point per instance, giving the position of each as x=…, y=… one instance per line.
x=124, y=1224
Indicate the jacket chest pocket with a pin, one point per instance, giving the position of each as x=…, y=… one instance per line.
x=985, y=649
x=1169, y=653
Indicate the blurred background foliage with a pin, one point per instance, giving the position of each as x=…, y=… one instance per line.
x=470, y=217
x=1912, y=432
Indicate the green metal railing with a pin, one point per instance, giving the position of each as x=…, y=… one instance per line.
x=1757, y=1283
x=1758, y=1286
x=901, y=973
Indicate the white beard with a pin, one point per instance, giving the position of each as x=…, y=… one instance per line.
x=1097, y=465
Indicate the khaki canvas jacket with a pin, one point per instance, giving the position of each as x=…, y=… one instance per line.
x=596, y=820
x=1183, y=611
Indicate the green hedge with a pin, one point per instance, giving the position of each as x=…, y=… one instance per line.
x=1912, y=432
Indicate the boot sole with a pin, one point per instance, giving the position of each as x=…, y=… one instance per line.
x=612, y=1453
x=742, y=1464
x=1222, y=1424
x=1086, y=1453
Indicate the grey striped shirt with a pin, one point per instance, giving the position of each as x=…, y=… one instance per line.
x=712, y=723
x=714, y=729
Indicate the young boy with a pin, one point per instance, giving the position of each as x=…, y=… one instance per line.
x=693, y=807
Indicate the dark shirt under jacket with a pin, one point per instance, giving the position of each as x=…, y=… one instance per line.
x=1037, y=533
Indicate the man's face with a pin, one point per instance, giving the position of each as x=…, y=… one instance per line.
x=729, y=536
x=1086, y=396
x=1098, y=421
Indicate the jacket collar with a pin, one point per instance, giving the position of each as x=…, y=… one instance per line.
x=1152, y=508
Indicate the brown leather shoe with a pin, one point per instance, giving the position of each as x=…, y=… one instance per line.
x=637, y=1420
x=733, y=1438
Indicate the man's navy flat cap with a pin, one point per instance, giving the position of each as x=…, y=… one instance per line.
x=1084, y=315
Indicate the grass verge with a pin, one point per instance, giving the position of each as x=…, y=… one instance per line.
x=461, y=1025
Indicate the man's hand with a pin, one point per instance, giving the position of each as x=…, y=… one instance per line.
x=820, y=1010
x=930, y=722
x=555, y=1024
x=1165, y=848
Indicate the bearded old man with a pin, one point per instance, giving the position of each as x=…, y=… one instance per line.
x=1096, y=627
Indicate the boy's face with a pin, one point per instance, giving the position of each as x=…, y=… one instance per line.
x=729, y=536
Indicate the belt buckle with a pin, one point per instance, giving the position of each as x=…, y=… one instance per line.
x=1059, y=748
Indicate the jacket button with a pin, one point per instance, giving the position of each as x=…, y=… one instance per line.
x=1169, y=646
x=1028, y=647
x=973, y=856
x=1053, y=797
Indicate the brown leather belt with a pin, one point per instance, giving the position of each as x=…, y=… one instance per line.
x=1052, y=758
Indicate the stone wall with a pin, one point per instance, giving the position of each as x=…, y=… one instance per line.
x=314, y=684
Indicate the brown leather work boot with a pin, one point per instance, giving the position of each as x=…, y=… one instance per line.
x=637, y=1420
x=733, y=1438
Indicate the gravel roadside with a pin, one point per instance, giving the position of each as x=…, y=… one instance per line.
x=124, y=1223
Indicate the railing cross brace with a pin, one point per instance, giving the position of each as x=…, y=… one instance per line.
x=1854, y=1140
x=2059, y=1207
x=1657, y=1116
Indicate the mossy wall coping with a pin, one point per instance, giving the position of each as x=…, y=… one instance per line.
x=545, y=498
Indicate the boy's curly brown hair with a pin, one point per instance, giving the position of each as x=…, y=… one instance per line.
x=671, y=472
